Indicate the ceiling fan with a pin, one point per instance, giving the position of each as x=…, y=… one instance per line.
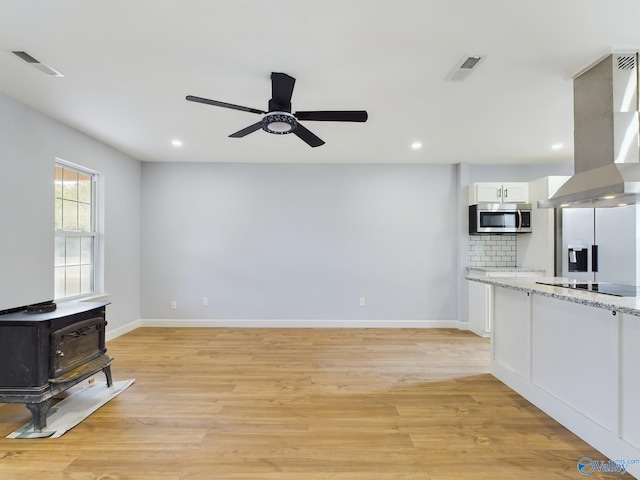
x=279, y=119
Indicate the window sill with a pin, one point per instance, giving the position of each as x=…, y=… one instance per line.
x=98, y=297
x=94, y=297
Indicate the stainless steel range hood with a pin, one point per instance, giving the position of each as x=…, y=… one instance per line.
x=606, y=137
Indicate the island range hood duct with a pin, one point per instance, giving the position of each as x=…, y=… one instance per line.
x=606, y=137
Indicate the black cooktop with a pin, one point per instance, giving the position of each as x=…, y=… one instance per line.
x=615, y=289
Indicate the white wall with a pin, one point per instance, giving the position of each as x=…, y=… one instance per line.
x=26, y=209
x=294, y=242
x=29, y=144
x=299, y=242
x=516, y=172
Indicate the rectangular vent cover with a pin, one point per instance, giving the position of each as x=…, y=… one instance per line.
x=464, y=67
x=43, y=67
x=627, y=62
x=471, y=62
x=25, y=56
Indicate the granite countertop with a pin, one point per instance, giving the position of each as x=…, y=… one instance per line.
x=630, y=305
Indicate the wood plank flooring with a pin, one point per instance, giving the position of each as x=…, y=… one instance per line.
x=297, y=404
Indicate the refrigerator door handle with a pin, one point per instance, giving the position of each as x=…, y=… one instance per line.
x=594, y=258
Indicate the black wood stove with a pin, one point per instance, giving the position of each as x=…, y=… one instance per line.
x=43, y=354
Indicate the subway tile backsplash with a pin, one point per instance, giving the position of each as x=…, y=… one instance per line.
x=492, y=250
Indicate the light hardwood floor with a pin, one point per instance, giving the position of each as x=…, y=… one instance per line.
x=297, y=404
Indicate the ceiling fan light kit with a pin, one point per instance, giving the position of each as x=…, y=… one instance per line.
x=279, y=123
x=279, y=120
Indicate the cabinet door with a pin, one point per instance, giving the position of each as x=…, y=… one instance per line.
x=480, y=308
x=488, y=192
x=515, y=192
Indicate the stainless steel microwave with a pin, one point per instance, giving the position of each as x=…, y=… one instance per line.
x=499, y=218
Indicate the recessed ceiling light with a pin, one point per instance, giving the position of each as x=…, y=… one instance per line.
x=416, y=145
x=609, y=197
x=557, y=146
x=622, y=204
x=176, y=143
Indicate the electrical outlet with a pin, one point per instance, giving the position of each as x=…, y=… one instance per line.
x=362, y=302
x=205, y=301
x=174, y=305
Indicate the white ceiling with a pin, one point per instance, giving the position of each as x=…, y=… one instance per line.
x=128, y=65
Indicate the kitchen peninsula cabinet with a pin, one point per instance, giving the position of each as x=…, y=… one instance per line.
x=572, y=345
x=498, y=192
x=511, y=347
x=481, y=295
x=573, y=354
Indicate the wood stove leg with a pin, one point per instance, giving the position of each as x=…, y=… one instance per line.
x=39, y=412
x=107, y=373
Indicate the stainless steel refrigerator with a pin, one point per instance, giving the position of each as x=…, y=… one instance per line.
x=598, y=244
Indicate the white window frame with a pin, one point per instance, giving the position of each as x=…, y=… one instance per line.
x=96, y=282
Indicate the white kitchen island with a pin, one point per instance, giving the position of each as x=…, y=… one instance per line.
x=576, y=356
x=481, y=295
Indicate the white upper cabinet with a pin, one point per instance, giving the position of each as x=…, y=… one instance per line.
x=498, y=192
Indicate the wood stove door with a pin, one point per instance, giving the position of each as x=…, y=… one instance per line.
x=76, y=344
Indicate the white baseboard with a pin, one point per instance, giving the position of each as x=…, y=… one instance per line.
x=462, y=325
x=270, y=323
x=111, y=334
x=262, y=323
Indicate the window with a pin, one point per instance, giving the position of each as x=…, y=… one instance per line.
x=75, y=231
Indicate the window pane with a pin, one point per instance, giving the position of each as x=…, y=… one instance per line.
x=59, y=282
x=69, y=215
x=72, y=281
x=84, y=188
x=58, y=181
x=73, y=251
x=86, y=279
x=69, y=184
x=60, y=252
x=84, y=217
x=58, y=213
x=86, y=250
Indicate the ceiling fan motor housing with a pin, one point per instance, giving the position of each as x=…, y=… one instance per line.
x=279, y=123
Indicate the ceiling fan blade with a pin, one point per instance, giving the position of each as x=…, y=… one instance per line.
x=334, y=116
x=216, y=103
x=307, y=136
x=281, y=92
x=247, y=131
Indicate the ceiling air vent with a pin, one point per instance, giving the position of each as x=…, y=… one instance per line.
x=43, y=67
x=464, y=67
x=628, y=62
